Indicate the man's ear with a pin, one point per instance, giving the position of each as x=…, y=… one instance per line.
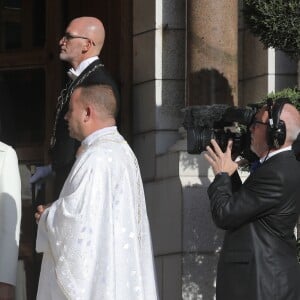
x=86, y=46
x=87, y=114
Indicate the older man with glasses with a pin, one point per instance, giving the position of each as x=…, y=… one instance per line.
x=80, y=47
x=258, y=259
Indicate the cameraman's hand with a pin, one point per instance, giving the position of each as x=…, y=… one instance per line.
x=41, y=173
x=221, y=161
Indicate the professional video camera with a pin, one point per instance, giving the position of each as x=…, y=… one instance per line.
x=220, y=122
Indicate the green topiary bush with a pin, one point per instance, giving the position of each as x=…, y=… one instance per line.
x=276, y=23
x=292, y=94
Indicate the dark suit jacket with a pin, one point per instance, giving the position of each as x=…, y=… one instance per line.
x=64, y=151
x=258, y=258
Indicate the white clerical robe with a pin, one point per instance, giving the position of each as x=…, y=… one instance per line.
x=10, y=213
x=95, y=238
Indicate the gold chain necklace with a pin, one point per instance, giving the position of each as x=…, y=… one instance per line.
x=65, y=94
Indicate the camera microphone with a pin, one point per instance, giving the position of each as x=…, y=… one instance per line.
x=241, y=116
x=203, y=115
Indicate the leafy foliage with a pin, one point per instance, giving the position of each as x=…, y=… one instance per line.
x=276, y=23
x=291, y=94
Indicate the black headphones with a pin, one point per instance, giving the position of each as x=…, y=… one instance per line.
x=276, y=131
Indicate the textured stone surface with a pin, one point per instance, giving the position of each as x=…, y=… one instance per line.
x=212, y=56
x=144, y=57
x=164, y=209
x=157, y=105
x=143, y=16
x=198, y=278
x=199, y=232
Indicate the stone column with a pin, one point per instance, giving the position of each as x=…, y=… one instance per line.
x=212, y=52
x=211, y=78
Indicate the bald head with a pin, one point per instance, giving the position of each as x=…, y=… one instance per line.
x=260, y=135
x=291, y=116
x=91, y=28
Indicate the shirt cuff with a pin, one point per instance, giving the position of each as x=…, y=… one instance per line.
x=222, y=173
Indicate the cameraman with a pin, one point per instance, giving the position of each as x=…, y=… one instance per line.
x=258, y=258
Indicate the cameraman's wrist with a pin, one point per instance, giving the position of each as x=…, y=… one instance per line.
x=222, y=174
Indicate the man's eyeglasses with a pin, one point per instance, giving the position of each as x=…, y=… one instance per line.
x=68, y=36
x=255, y=122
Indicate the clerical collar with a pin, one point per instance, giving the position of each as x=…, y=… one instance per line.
x=274, y=153
x=98, y=133
x=73, y=74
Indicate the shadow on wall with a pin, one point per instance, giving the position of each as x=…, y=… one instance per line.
x=202, y=240
x=208, y=86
